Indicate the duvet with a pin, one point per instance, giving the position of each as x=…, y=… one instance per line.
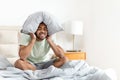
x=72, y=70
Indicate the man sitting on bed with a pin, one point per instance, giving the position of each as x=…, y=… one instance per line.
x=34, y=49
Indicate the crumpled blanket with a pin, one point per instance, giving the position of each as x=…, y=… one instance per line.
x=72, y=70
x=32, y=22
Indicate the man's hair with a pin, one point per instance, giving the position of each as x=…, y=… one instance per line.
x=43, y=23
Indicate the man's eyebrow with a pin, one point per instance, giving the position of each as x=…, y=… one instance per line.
x=39, y=27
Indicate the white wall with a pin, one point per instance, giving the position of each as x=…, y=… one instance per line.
x=101, y=39
x=15, y=12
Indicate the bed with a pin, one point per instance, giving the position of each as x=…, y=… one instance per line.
x=73, y=70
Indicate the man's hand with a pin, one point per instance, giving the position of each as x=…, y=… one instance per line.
x=33, y=37
x=48, y=38
x=24, y=51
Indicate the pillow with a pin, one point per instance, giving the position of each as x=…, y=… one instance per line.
x=4, y=62
x=32, y=22
x=52, y=23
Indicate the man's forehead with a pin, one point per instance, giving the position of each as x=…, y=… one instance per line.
x=42, y=26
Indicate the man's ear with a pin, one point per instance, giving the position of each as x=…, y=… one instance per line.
x=35, y=34
x=47, y=36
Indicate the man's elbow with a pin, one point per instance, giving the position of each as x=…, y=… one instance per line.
x=22, y=57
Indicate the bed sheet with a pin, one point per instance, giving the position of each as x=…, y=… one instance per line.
x=72, y=70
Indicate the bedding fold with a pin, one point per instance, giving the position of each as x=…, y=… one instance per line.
x=72, y=70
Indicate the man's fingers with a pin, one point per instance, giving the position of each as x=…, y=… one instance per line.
x=32, y=35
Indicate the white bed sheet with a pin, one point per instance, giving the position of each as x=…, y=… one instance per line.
x=111, y=73
x=73, y=70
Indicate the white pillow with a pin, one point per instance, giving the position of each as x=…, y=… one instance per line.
x=32, y=22
x=111, y=73
x=4, y=62
x=12, y=60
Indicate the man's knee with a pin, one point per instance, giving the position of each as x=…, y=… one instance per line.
x=19, y=64
x=61, y=61
x=24, y=65
x=65, y=59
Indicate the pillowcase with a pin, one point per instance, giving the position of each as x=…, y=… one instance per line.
x=4, y=62
x=52, y=23
x=32, y=22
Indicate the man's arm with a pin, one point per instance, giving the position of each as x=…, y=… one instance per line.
x=59, y=52
x=25, y=50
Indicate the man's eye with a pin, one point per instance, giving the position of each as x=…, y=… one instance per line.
x=39, y=29
x=45, y=29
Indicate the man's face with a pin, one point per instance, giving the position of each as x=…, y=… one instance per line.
x=41, y=32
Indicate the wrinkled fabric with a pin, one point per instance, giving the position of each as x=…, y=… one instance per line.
x=72, y=70
x=32, y=22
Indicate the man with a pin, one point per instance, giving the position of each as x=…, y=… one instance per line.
x=34, y=49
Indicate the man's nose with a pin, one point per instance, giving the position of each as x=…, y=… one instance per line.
x=42, y=30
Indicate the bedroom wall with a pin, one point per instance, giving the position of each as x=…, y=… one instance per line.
x=102, y=37
x=15, y=12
